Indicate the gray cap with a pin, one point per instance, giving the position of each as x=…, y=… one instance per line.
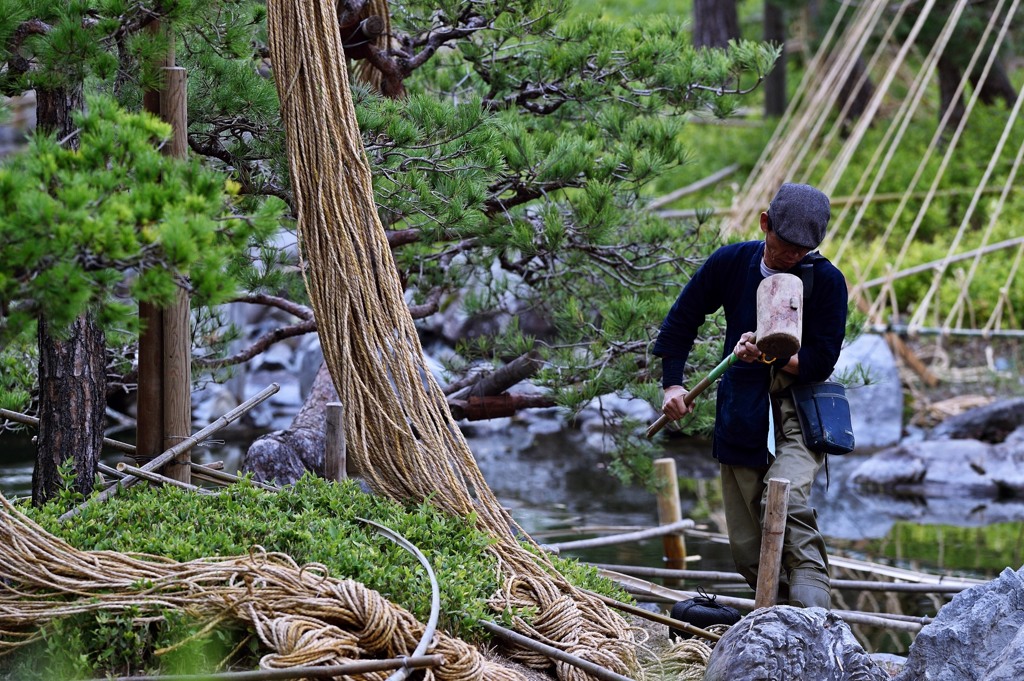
x=799, y=214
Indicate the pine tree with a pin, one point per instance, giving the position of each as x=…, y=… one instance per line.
x=511, y=150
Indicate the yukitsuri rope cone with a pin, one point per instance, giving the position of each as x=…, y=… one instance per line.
x=400, y=433
x=302, y=615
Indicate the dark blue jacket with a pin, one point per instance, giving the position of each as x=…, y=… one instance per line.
x=728, y=280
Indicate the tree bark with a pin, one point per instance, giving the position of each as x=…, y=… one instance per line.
x=775, y=82
x=715, y=23
x=950, y=74
x=72, y=398
x=858, y=88
x=72, y=365
x=996, y=86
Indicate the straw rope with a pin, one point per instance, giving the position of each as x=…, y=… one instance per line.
x=43, y=578
x=401, y=434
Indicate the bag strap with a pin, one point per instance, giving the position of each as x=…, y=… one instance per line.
x=806, y=272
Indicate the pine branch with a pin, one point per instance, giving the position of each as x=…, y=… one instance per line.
x=261, y=344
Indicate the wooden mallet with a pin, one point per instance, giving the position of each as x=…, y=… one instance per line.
x=780, y=308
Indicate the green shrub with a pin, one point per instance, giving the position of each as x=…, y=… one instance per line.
x=312, y=521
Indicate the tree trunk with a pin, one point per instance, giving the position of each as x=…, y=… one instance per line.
x=715, y=23
x=996, y=86
x=72, y=364
x=72, y=398
x=949, y=78
x=858, y=88
x=775, y=83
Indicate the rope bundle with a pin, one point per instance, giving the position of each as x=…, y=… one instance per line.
x=401, y=434
x=43, y=578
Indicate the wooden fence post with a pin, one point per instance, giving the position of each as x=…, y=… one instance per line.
x=669, y=512
x=772, y=534
x=335, y=456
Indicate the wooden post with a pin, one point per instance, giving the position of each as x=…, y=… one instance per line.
x=335, y=457
x=668, y=512
x=772, y=534
x=149, y=403
x=177, y=329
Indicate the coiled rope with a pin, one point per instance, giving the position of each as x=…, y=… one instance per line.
x=401, y=434
x=302, y=615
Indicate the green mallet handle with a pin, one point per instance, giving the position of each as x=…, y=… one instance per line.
x=713, y=376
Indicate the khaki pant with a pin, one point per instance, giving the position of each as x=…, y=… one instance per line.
x=804, y=580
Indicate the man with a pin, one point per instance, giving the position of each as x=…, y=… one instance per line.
x=755, y=390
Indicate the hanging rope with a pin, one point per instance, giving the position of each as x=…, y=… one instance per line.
x=401, y=434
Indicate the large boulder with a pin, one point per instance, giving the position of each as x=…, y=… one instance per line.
x=784, y=643
x=876, y=408
x=947, y=469
x=977, y=636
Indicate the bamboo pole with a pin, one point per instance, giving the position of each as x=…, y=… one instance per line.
x=655, y=617
x=325, y=672
x=624, y=538
x=161, y=479
x=772, y=534
x=18, y=417
x=335, y=460
x=736, y=578
x=641, y=587
x=667, y=486
x=509, y=636
x=214, y=475
x=860, y=565
x=712, y=179
x=192, y=441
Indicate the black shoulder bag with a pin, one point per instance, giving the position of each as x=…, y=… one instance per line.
x=824, y=414
x=822, y=408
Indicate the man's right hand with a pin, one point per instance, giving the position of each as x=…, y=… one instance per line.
x=674, y=407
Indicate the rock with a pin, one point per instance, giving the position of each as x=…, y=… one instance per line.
x=784, y=643
x=976, y=636
x=877, y=408
x=946, y=469
x=992, y=423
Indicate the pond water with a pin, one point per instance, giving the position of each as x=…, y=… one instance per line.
x=553, y=484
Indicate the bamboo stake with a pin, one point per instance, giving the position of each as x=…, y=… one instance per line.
x=669, y=513
x=348, y=669
x=156, y=477
x=184, y=445
x=334, y=455
x=772, y=534
x=18, y=417
x=589, y=667
x=619, y=538
x=215, y=475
